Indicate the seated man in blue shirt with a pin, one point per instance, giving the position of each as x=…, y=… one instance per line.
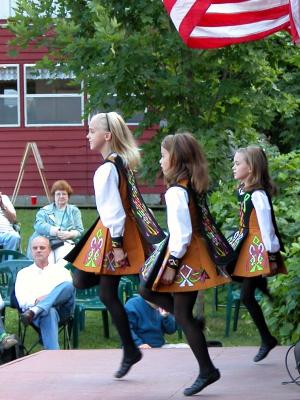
x=148, y=323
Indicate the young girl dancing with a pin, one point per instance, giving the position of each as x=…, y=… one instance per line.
x=119, y=243
x=257, y=242
x=188, y=265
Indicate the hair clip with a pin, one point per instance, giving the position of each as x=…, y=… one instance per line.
x=107, y=121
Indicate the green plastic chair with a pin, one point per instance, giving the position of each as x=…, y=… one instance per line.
x=11, y=255
x=8, y=274
x=88, y=299
x=134, y=281
x=127, y=288
x=233, y=302
x=7, y=280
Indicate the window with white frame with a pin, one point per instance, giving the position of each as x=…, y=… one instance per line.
x=51, y=99
x=7, y=8
x=9, y=95
x=135, y=119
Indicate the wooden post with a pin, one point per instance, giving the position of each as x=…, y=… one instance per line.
x=31, y=147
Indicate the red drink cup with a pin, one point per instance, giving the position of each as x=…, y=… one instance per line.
x=33, y=200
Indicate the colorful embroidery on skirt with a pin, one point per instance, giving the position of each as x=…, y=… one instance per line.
x=95, y=250
x=109, y=261
x=256, y=252
x=187, y=277
x=235, y=239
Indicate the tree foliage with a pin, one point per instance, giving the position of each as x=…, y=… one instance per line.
x=226, y=97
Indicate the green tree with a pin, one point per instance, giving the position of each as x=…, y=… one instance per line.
x=132, y=53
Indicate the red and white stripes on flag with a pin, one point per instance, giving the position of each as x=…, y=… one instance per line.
x=217, y=23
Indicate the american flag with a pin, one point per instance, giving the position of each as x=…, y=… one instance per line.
x=217, y=23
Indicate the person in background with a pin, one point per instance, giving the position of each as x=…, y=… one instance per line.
x=148, y=323
x=45, y=293
x=6, y=340
x=59, y=221
x=9, y=238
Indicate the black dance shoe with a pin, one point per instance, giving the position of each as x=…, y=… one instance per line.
x=265, y=349
x=127, y=363
x=201, y=382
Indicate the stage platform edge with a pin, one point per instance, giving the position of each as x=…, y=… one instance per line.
x=161, y=374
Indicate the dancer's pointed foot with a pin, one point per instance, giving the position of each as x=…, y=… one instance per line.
x=201, y=382
x=127, y=363
x=265, y=349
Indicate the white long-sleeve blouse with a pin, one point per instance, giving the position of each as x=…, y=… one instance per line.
x=179, y=220
x=108, y=199
x=264, y=217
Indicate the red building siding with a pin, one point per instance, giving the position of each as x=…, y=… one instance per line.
x=64, y=150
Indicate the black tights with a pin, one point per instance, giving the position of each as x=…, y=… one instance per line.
x=108, y=294
x=181, y=306
x=248, y=298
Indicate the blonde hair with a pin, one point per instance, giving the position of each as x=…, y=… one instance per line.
x=187, y=161
x=259, y=177
x=122, y=142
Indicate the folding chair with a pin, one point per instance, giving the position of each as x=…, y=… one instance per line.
x=233, y=301
x=65, y=329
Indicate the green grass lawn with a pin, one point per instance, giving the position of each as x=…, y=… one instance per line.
x=92, y=336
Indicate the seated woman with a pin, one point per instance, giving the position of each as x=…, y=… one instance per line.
x=59, y=221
